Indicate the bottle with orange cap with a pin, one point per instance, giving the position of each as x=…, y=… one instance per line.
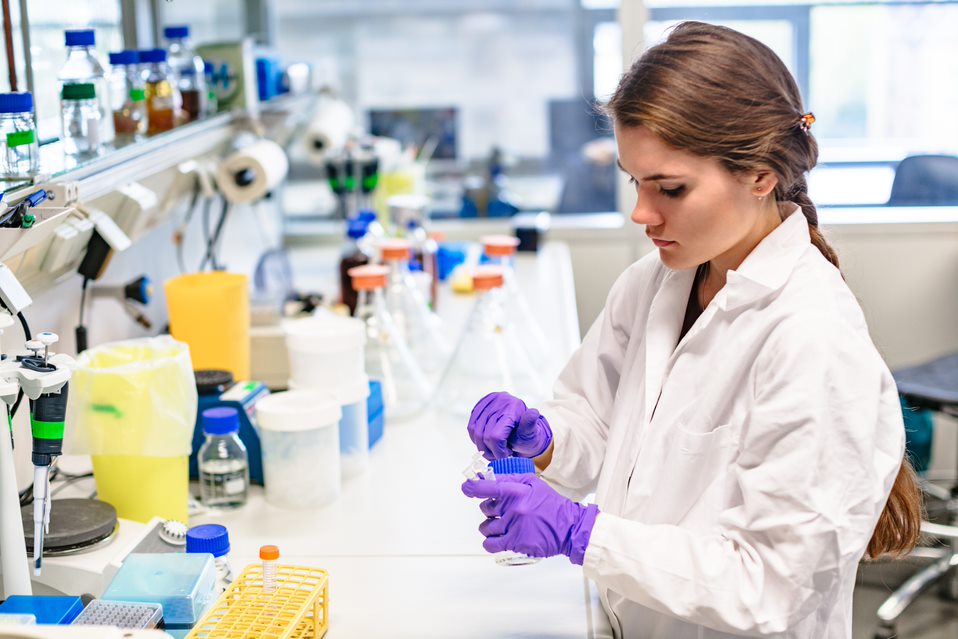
x=407, y=303
x=490, y=355
x=405, y=387
x=269, y=555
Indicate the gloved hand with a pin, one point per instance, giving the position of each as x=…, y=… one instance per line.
x=526, y=515
x=502, y=426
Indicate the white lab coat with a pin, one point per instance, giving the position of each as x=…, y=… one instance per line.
x=740, y=472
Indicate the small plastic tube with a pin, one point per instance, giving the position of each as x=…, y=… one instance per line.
x=269, y=555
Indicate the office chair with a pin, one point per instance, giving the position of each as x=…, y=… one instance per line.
x=925, y=180
x=932, y=385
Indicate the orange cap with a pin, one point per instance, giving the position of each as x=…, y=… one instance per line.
x=394, y=249
x=499, y=245
x=368, y=277
x=486, y=277
x=268, y=552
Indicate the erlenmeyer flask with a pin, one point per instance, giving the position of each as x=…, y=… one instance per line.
x=407, y=304
x=501, y=251
x=388, y=358
x=490, y=356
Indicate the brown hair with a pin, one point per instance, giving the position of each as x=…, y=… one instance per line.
x=718, y=93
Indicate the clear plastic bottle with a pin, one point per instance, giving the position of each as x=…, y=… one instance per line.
x=189, y=72
x=490, y=356
x=83, y=66
x=127, y=96
x=162, y=98
x=223, y=461
x=354, y=254
x=405, y=388
x=19, y=135
x=269, y=555
x=512, y=466
x=214, y=539
x=81, y=120
x=410, y=309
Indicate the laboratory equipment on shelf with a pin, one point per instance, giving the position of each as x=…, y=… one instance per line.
x=81, y=120
x=222, y=460
x=214, y=539
x=189, y=72
x=163, y=101
x=83, y=66
x=127, y=96
x=490, y=355
x=409, y=307
x=500, y=250
x=405, y=387
x=18, y=135
x=353, y=175
x=355, y=253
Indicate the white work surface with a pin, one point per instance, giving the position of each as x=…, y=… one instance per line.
x=401, y=543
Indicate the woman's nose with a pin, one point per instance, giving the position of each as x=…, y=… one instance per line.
x=644, y=213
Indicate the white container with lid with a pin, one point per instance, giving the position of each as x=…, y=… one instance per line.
x=325, y=350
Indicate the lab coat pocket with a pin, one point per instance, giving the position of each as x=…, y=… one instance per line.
x=689, y=485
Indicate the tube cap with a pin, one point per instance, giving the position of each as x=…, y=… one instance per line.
x=394, y=249
x=79, y=37
x=356, y=228
x=485, y=278
x=269, y=553
x=499, y=245
x=369, y=277
x=153, y=55
x=211, y=538
x=221, y=420
x=367, y=215
x=125, y=57
x=513, y=466
x=176, y=31
x=80, y=91
x=16, y=102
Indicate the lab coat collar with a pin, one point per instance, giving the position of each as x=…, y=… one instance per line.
x=768, y=266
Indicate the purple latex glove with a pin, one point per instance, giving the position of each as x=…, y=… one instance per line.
x=526, y=515
x=502, y=426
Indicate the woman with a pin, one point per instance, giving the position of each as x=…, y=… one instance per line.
x=728, y=408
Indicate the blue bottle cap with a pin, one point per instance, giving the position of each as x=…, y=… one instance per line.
x=16, y=102
x=79, y=37
x=176, y=31
x=153, y=55
x=367, y=216
x=355, y=229
x=124, y=57
x=221, y=420
x=211, y=538
x=513, y=466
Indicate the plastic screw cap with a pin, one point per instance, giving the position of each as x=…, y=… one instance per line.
x=79, y=37
x=499, y=245
x=34, y=345
x=369, y=277
x=487, y=277
x=513, y=466
x=211, y=538
x=128, y=56
x=176, y=31
x=153, y=55
x=16, y=102
x=394, y=249
x=221, y=420
x=268, y=553
x=47, y=338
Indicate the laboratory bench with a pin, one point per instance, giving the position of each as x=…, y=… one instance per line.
x=401, y=543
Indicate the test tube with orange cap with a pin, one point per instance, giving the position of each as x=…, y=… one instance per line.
x=269, y=555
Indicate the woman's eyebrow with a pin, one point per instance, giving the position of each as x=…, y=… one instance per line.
x=651, y=178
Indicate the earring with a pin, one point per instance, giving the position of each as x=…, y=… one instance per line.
x=761, y=197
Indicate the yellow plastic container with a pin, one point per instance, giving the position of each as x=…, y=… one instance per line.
x=210, y=312
x=141, y=488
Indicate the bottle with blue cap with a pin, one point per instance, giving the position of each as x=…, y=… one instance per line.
x=18, y=135
x=84, y=66
x=223, y=461
x=163, y=100
x=189, y=71
x=355, y=253
x=215, y=540
x=127, y=96
x=512, y=466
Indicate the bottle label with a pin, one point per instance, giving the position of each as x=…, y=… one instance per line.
x=19, y=138
x=137, y=95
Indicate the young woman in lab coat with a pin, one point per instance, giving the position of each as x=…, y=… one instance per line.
x=728, y=409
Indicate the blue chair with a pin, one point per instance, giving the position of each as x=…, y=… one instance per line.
x=925, y=180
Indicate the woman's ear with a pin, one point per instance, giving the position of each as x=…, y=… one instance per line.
x=761, y=183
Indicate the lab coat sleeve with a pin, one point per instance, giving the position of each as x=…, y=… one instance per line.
x=581, y=408
x=816, y=460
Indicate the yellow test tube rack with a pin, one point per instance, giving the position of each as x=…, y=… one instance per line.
x=298, y=608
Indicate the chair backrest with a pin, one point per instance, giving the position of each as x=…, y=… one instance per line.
x=925, y=180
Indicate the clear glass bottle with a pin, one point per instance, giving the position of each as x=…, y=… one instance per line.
x=223, y=461
x=127, y=96
x=19, y=135
x=511, y=466
x=405, y=388
x=81, y=120
x=189, y=72
x=215, y=540
x=162, y=97
x=84, y=66
x=354, y=254
x=490, y=356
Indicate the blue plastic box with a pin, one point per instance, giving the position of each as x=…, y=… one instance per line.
x=183, y=583
x=47, y=610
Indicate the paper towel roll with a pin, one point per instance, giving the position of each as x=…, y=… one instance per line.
x=329, y=130
x=251, y=172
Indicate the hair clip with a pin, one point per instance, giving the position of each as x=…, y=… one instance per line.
x=805, y=122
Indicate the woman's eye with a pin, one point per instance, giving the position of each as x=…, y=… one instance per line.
x=632, y=181
x=676, y=192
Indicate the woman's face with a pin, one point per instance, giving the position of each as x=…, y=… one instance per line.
x=694, y=210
